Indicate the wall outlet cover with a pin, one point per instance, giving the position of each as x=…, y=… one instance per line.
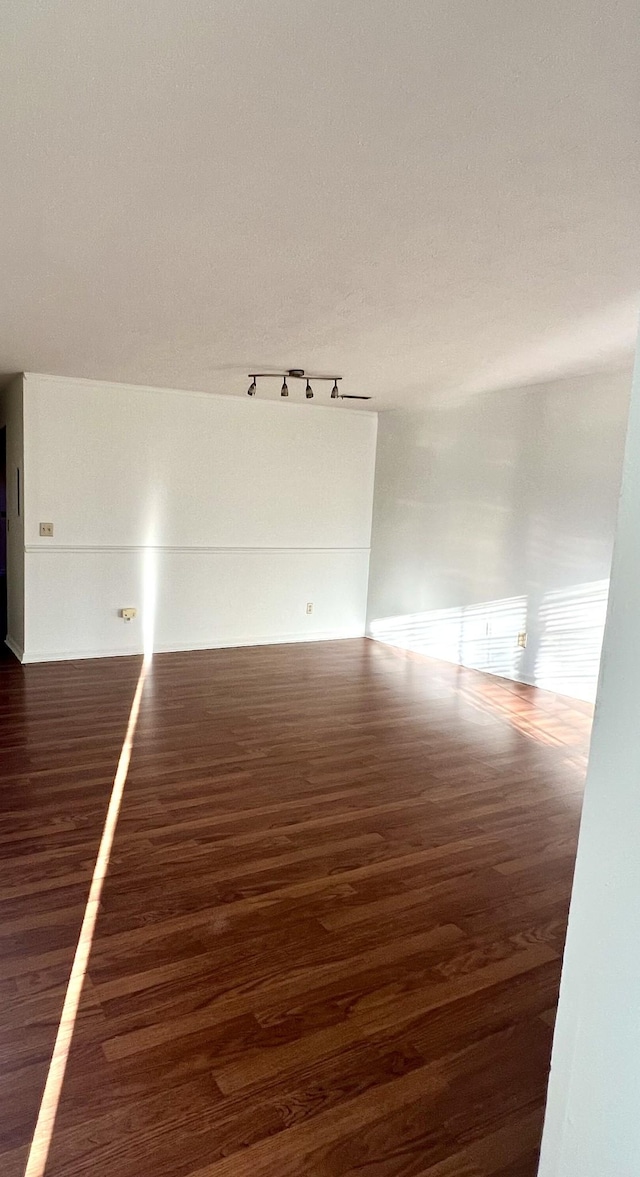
x=46, y=529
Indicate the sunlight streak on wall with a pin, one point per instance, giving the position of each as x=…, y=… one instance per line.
x=149, y=573
x=480, y=636
x=572, y=627
x=149, y=598
x=564, y=637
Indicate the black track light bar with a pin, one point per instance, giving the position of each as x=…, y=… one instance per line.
x=300, y=374
x=294, y=374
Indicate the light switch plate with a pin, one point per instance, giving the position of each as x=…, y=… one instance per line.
x=46, y=529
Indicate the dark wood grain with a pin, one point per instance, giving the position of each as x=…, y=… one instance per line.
x=330, y=936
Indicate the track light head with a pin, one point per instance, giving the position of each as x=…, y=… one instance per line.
x=251, y=391
x=308, y=391
x=284, y=391
x=334, y=391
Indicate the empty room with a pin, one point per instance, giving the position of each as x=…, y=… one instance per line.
x=319, y=635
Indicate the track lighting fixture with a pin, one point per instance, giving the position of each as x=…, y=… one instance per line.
x=300, y=374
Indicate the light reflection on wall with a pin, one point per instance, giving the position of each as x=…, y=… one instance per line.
x=564, y=637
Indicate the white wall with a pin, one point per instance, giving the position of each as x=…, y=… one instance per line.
x=496, y=516
x=592, y=1125
x=11, y=416
x=231, y=513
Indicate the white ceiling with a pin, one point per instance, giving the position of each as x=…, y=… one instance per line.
x=431, y=197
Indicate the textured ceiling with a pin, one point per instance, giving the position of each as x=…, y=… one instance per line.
x=431, y=198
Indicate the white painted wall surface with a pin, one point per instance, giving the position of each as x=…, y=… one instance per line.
x=234, y=512
x=496, y=516
x=592, y=1126
x=11, y=417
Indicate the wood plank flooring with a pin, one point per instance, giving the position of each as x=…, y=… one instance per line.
x=330, y=936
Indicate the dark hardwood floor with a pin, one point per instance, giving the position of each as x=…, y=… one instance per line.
x=330, y=936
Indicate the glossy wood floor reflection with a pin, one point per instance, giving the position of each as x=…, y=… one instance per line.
x=330, y=936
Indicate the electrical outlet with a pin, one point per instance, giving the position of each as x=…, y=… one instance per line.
x=128, y=614
x=309, y=606
x=46, y=529
x=522, y=640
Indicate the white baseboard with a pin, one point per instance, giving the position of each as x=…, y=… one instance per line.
x=15, y=648
x=32, y=656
